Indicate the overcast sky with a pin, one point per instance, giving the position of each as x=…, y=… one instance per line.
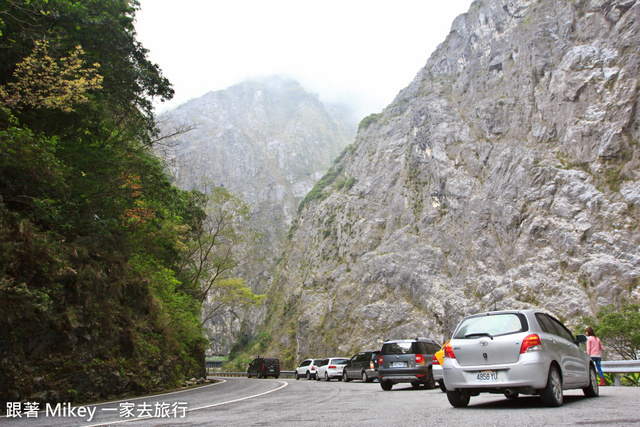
x=364, y=51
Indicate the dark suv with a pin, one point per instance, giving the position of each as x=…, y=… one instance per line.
x=263, y=367
x=407, y=361
x=362, y=366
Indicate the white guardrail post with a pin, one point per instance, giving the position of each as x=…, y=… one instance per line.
x=617, y=367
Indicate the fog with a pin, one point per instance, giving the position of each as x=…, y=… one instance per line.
x=358, y=52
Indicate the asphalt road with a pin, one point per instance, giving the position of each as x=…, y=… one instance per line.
x=287, y=402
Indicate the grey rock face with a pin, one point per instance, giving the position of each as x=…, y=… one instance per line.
x=266, y=140
x=504, y=176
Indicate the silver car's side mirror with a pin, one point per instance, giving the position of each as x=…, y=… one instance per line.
x=580, y=339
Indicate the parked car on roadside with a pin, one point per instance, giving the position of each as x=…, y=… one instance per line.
x=407, y=361
x=263, y=367
x=307, y=369
x=362, y=366
x=322, y=362
x=331, y=368
x=516, y=352
x=436, y=366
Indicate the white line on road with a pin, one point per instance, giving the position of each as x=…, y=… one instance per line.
x=282, y=385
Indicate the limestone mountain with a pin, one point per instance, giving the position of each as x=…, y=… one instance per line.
x=268, y=140
x=506, y=175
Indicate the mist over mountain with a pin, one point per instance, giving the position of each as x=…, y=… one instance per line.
x=505, y=176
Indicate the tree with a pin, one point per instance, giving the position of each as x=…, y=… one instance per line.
x=44, y=82
x=215, y=250
x=104, y=29
x=91, y=230
x=228, y=294
x=618, y=328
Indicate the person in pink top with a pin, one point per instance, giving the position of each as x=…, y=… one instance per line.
x=594, y=349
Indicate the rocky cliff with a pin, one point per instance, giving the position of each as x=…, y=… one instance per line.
x=504, y=176
x=267, y=140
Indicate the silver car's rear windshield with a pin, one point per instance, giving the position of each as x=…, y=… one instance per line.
x=492, y=325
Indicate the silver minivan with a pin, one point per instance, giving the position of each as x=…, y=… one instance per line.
x=516, y=352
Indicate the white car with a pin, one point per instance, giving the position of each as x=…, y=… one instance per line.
x=307, y=369
x=331, y=368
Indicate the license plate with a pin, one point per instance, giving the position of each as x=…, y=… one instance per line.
x=398, y=364
x=487, y=376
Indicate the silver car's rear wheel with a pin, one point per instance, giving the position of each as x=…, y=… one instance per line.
x=458, y=398
x=592, y=390
x=552, y=394
x=365, y=377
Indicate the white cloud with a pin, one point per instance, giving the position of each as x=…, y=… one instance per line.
x=364, y=49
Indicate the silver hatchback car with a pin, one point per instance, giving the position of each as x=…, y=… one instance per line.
x=516, y=352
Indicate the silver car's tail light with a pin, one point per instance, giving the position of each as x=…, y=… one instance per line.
x=448, y=351
x=531, y=343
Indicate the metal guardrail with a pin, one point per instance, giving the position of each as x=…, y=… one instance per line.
x=614, y=367
x=617, y=367
x=244, y=374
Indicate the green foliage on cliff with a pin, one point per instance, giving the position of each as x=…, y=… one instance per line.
x=368, y=121
x=94, y=301
x=317, y=192
x=334, y=178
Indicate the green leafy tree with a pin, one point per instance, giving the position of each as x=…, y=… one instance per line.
x=618, y=328
x=44, y=82
x=104, y=265
x=93, y=302
x=104, y=30
x=229, y=294
x=215, y=250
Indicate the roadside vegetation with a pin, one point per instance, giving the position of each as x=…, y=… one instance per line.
x=102, y=278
